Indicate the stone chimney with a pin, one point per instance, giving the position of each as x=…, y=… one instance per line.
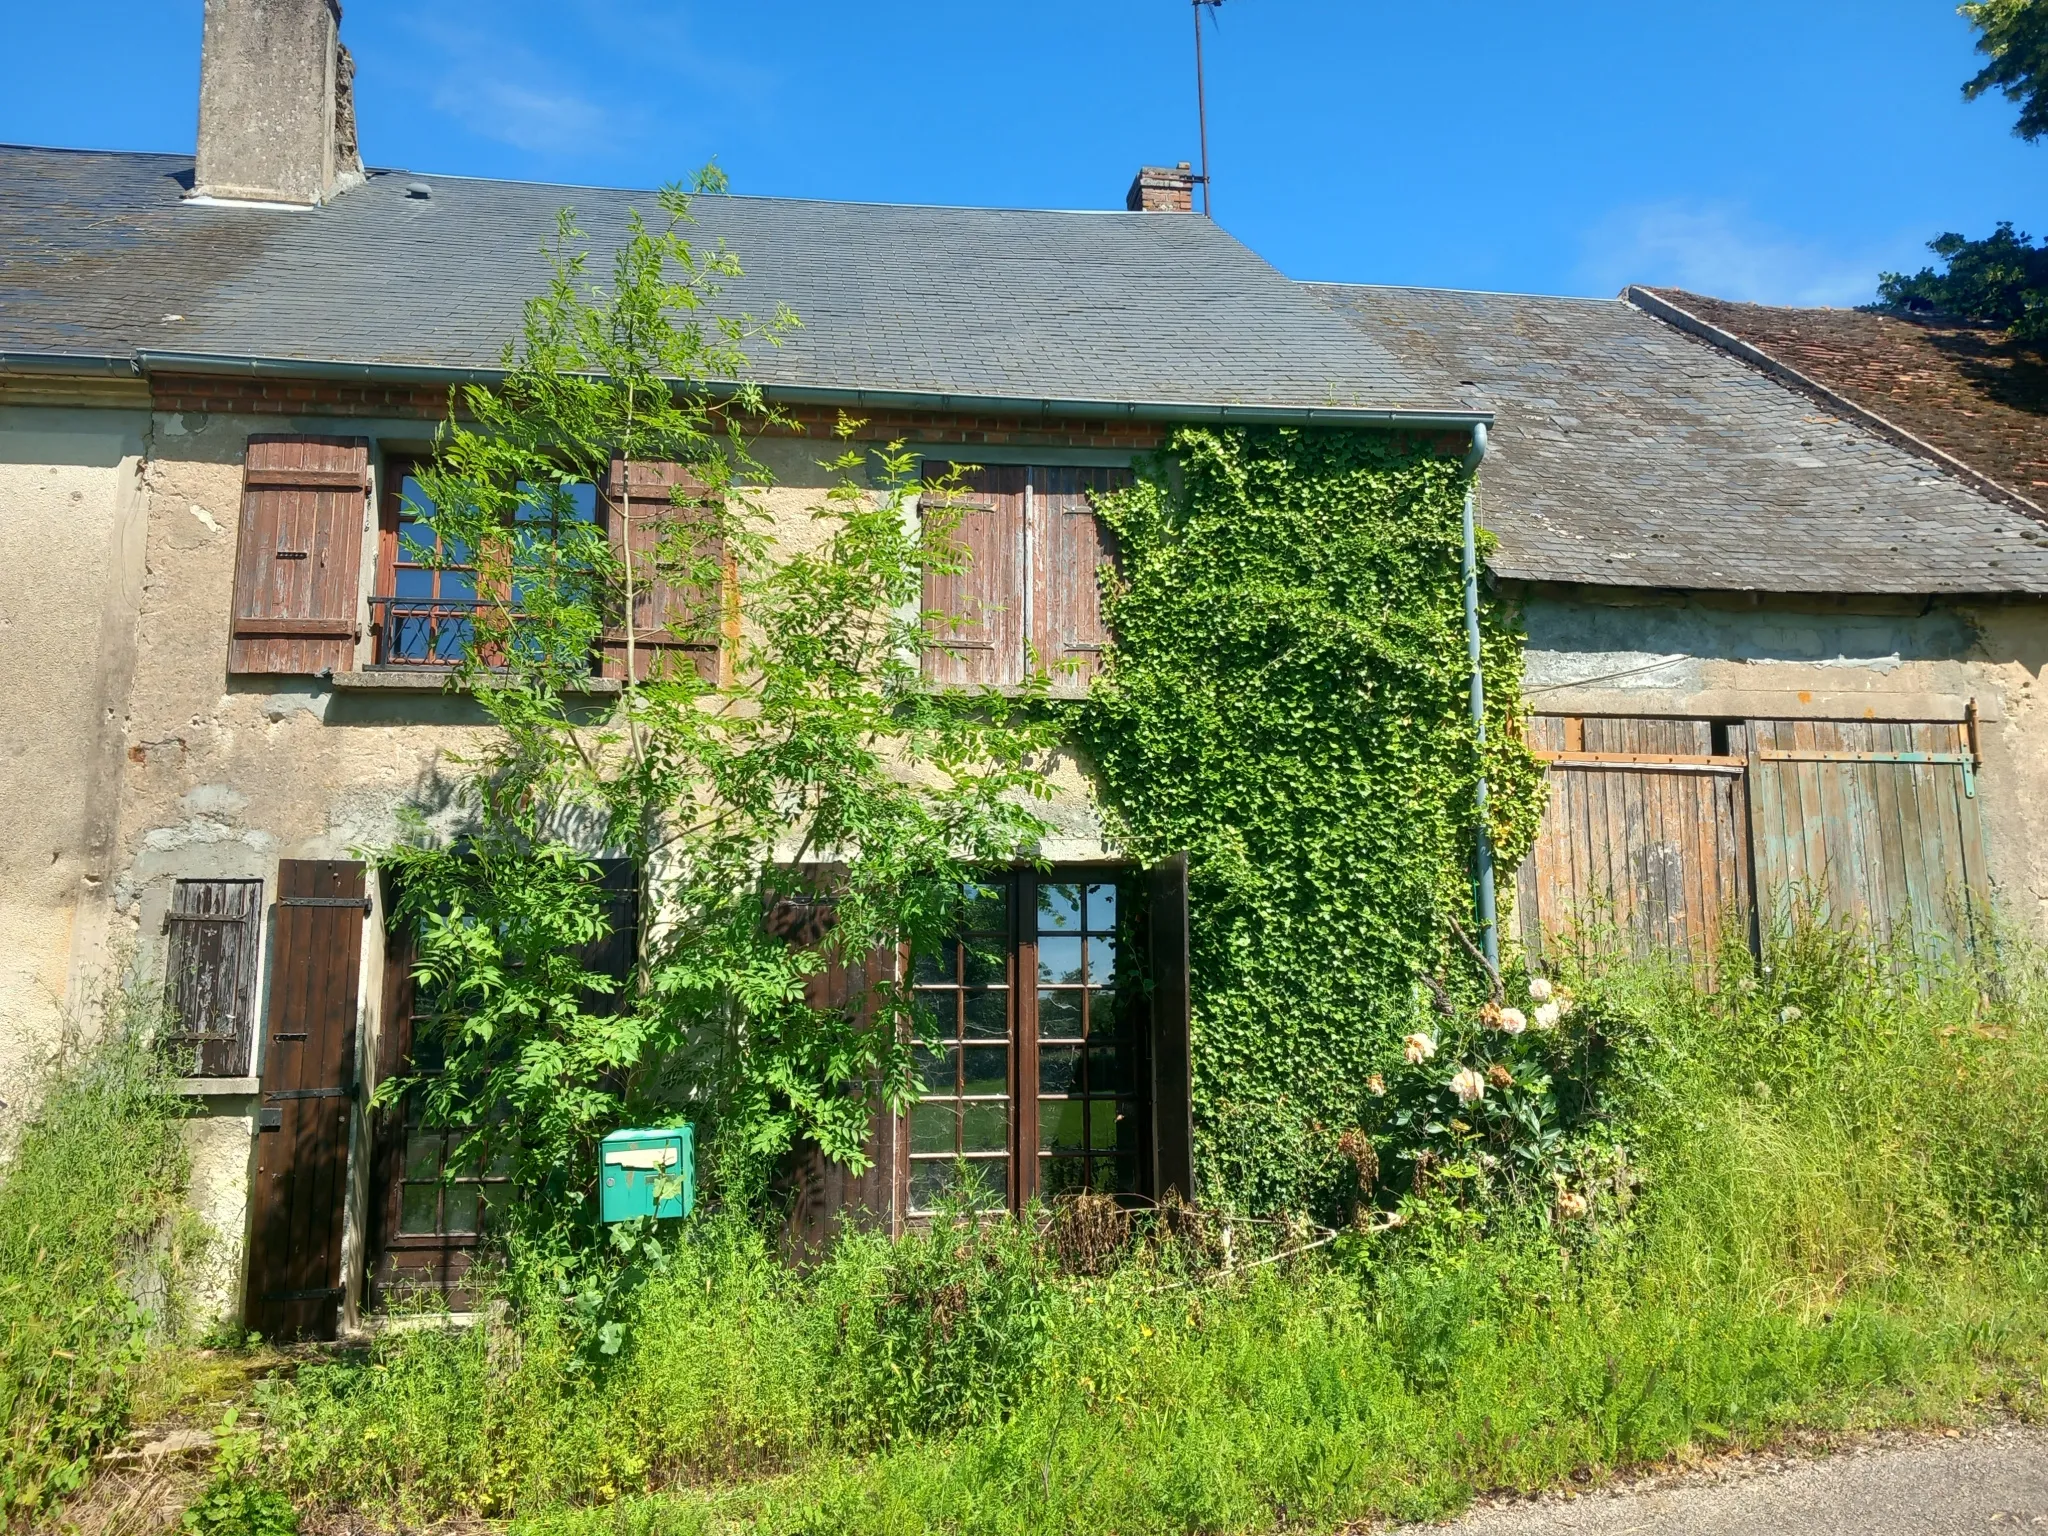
x=1156, y=189
x=277, y=120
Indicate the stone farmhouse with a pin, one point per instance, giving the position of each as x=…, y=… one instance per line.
x=1778, y=642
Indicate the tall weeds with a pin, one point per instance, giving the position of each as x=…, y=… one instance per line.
x=89, y=1240
x=1827, y=1207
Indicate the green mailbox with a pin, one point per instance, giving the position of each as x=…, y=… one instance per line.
x=647, y=1173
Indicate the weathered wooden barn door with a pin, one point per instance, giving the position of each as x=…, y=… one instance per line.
x=1644, y=847
x=309, y=1073
x=1873, y=823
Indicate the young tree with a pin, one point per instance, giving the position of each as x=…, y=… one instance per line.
x=795, y=799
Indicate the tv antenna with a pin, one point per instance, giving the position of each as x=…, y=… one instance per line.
x=1202, y=105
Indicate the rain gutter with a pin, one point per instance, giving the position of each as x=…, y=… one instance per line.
x=1489, y=922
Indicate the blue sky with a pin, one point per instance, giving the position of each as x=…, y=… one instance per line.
x=1778, y=150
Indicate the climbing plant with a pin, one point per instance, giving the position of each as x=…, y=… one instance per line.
x=1288, y=703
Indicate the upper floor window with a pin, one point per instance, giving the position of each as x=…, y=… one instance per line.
x=1029, y=593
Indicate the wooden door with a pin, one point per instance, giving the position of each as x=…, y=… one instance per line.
x=1644, y=847
x=1873, y=824
x=295, y=1282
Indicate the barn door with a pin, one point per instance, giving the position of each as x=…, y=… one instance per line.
x=295, y=1279
x=1871, y=823
x=1644, y=846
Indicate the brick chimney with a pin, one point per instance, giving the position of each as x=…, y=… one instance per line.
x=277, y=120
x=1156, y=189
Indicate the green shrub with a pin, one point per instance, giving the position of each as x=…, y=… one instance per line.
x=1825, y=1207
x=86, y=1205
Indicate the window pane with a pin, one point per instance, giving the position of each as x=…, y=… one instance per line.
x=582, y=501
x=1101, y=961
x=988, y=1015
x=1059, y=908
x=1059, y=960
x=936, y=968
x=1101, y=908
x=422, y=1155
x=937, y=1071
x=458, y=586
x=987, y=962
x=986, y=1128
x=1106, y=1065
x=986, y=908
x=928, y=1181
x=499, y=1164
x=420, y=1209
x=943, y=1009
x=415, y=499
x=1102, y=1120
x=412, y=581
x=1060, y=1125
x=1059, y=1015
x=988, y=1180
x=988, y=1069
x=460, y=1206
x=1061, y=1175
x=933, y=1125
x=1059, y=1069
x=1118, y=1175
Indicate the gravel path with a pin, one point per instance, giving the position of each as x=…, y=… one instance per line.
x=1990, y=1480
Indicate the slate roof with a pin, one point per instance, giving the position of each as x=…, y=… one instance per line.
x=1627, y=453
x=97, y=248
x=1970, y=390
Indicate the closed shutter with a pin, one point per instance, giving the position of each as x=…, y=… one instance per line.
x=1069, y=548
x=825, y=1197
x=1644, y=846
x=299, y=552
x=210, y=974
x=976, y=632
x=674, y=627
x=1173, y=1133
x=1874, y=824
x=295, y=1284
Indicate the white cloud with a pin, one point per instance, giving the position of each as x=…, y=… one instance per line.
x=1718, y=249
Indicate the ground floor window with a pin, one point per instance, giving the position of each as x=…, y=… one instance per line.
x=1034, y=1087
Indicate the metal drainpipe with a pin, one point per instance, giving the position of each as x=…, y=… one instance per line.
x=1489, y=927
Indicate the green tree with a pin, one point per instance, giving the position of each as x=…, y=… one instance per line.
x=2001, y=280
x=812, y=743
x=2014, y=35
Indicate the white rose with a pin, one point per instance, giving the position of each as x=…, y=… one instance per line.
x=1468, y=1085
x=1418, y=1048
x=1539, y=990
x=1546, y=1016
x=1513, y=1021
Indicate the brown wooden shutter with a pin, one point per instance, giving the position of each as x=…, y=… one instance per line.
x=986, y=647
x=210, y=975
x=1069, y=546
x=295, y=1282
x=673, y=627
x=827, y=1198
x=299, y=554
x=1173, y=1135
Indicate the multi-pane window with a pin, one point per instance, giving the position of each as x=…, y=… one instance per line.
x=1087, y=1104
x=1032, y=1087
x=427, y=597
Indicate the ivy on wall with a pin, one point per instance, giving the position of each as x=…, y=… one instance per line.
x=1288, y=703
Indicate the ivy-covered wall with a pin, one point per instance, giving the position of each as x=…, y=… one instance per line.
x=1288, y=703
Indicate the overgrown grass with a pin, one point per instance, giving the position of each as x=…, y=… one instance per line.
x=1831, y=1214
x=90, y=1233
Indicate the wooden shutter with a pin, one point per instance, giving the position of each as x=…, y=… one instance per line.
x=299, y=554
x=295, y=1284
x=673, y=627
x=1873, y=823
x=985, y=647
x=826, y=1198
x=210, y=974
x=1173, y=1130
x=1069, y=546
x=1644, y=845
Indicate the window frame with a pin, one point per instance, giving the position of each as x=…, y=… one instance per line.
x=1027, y=1160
